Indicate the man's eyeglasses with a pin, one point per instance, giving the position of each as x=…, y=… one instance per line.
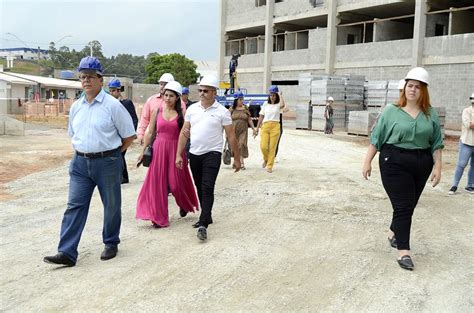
x=88, y=77
x=203, y=90
x=113, y=90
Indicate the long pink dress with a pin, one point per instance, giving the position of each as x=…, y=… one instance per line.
x=152, y=201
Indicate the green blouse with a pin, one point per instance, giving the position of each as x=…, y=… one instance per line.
x=398, y=128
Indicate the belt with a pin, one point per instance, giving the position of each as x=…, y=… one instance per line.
x=403, y=150
x=96, y=155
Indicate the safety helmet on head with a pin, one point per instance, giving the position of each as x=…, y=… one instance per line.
x=175, y=86
x=238, y=94
x=331, y=99
x=209, y=80
x=419, y=74
x=185, y=91
x=90, y=64
x=401, y=84
x=115, y=83
x=166, y=78
x=273, y=89
x=472, y=96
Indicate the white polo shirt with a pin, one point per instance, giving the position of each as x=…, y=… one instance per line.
x=207, y=126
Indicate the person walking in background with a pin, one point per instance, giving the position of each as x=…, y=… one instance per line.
x=466, y=150
x=162, y=175
x=115, y=88
x=283, y=110
x=155, y=101
x=408, y=136
x=269, y=121
x=185, y=99
x=205, y=121
x=100, y=128
x=328, y=113
x=241, y=120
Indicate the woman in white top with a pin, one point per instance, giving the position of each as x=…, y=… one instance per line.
x=269, y=121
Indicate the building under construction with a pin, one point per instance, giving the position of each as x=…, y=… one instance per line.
x=278, y=40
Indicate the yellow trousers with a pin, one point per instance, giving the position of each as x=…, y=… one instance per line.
x=268, y=141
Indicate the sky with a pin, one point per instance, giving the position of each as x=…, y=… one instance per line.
x=189, y=27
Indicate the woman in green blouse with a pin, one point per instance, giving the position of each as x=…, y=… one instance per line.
x=408, y=136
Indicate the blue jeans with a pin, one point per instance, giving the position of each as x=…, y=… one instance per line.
x=466, y=152
x=84, y=175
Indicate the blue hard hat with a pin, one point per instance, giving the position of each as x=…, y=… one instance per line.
x=90, y=63
x=273, y=89
x=114, y=83
x=238, y=94
x=185, y=91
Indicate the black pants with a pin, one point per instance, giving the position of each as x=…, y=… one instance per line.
x=125, y=172
x=404, y=175
x=205, y=168
x=281, y=133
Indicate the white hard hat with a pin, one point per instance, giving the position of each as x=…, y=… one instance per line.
x=401, y=84
x=418, y=73
x=166, y=77
x=331, y=99
x=472, y=96
x=175, y=86
x=209, y=80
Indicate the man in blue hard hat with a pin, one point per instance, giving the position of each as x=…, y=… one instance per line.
x=115, y=88
x=100, y=129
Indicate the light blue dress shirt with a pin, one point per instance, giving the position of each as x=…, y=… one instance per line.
x=100, y=125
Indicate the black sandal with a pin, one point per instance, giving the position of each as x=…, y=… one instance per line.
x=406, y=263
x=393, y=242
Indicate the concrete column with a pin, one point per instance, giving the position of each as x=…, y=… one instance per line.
x=419, y=30
x=267, y=58
x=331, y=38
x=222, y=40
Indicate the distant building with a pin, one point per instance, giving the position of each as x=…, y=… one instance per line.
x=23, y=53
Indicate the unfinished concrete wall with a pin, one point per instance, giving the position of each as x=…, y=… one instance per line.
x=388, y=53
x=455, y=48
x=317, y=45
x=251, y=81
x=344, y=32
x=10, y=126
x=3, y=97
x=292, y=7
x=244, y=12
x=436, y=19
x=392, y=30
x=357, y=4
x=462, y=22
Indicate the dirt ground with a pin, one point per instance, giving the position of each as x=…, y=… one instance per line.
x=311, y=236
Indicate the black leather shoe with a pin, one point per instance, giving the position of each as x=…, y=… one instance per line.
x=393, y=242
x=108, y=253
x=406, y=263
x=182, y=212
x=60, y=259
x=197, y=224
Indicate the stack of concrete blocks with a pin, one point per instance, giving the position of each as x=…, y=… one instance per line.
x=303, y=106
x=10, y=126
x=361, y=122
x=393, y=94
x=354, y=97
x=323, y=87
x=376, y=95
x=442, y=118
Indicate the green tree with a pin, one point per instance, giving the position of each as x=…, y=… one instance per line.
x=182, y=68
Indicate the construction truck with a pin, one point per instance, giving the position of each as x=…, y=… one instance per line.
x=227, y=90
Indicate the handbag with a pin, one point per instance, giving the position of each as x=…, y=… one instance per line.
x=148, y=152
x=226, y=154
x=147, y=155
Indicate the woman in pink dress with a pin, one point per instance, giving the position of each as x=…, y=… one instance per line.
x=163, y=175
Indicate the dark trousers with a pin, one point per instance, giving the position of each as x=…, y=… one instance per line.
x=281, y=134
x=205, y=168
x=125, y=171
x=404, y=175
